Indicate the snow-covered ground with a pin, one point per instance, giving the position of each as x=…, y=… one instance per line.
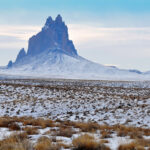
x=106, y=102
x=54, y=133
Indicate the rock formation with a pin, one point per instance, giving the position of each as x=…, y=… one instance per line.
x=54, y=35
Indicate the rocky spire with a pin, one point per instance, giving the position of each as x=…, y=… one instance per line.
x=10, y=64
x=58, y=19
x=21, y=55
x=49, y=21
x=54, y=35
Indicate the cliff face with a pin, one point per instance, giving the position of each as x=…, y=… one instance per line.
x=19, y=60
x=21, y=55
x=54, y=35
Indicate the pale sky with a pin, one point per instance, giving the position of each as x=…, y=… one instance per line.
x=104, y=31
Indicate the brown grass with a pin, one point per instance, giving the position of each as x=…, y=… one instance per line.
x=87, y=142
x=105, y=134
x=45, y=143
x=138, y=144
x=133, y=132
x=131, y=146
x=14, y=126
x=86, y=127
x=65, y=146
x=16, y=142
x=31, y=130
x=65, y=129
x=38, y=122
x=103, y=141
x=5, y=122
x=142, y=142
x=66, y=132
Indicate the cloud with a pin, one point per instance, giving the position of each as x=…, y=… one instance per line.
x=16, y=36
x=83, y=33
x=80, y=34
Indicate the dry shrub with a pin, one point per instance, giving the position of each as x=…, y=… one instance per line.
x=106, y=127
x=133, y=132
x=66, y=132
x=104, y=141
x=142, y=142
x=5, y=122
x=140, y=148
x=14, y=138
x=87, y=142
x=14, y=126
x=87, y=127
x=122, y=131
x=31, y=130
x=38, y=122
x=105, y=134
x=136, y=145
x=31, y=121
x=16, y=142
x=67, y=123
x=146, y=132
x=136, y=135
x=25, y=145
x=65, y=146
x=130, y=146
x=45, y=143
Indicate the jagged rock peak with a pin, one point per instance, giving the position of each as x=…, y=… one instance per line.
x=21, y=55
x=49, y=21
x=58, y=19
x=54, y=35
x=10, y=64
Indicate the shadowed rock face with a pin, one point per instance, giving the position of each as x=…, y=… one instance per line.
x=54, y=35
x=10, y=64
x=21, y=55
